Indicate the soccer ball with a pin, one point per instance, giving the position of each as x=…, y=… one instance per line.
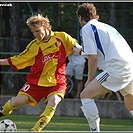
x=7, y=125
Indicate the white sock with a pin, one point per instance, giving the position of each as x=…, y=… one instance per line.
x=131, y=112
x=90, y=111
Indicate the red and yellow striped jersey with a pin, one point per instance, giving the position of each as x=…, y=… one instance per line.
x=47, y=59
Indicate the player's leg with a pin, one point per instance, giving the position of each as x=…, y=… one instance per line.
x=89, y=108
x=127, y=93
x=79, y=70
x=69, y=74
x=17, y=101
x=128, y=99
x=79, y=88
x=13, y=103
x=118, y=95
x=48, y=113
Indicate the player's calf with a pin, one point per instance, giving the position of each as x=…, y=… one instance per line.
x=44, y=119
x=7, y=109
x=90, y=111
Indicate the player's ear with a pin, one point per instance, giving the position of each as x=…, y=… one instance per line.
x=79, y=17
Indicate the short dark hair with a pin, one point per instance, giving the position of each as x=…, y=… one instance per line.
x=87, y=11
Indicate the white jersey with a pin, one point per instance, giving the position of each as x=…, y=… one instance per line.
x=114, y=54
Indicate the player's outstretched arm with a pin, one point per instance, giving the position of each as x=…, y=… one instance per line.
x=4, y=62
x=77, y=48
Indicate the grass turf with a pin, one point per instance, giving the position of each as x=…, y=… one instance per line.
x=61, y=123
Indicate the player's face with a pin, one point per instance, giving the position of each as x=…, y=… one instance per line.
x=39, y=32
x=79, y=18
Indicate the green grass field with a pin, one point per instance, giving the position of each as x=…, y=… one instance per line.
x=25, y=122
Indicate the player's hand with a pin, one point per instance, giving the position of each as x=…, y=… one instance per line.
x=4, y=62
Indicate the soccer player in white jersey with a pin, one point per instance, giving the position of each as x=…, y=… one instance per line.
x=105, y=48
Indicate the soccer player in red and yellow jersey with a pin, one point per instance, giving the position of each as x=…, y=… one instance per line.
x=46, y=56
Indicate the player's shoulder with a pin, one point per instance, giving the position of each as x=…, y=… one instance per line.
x=32, y=42
x=60, y=33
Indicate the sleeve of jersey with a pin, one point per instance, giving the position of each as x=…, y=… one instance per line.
x=69, y=43
x=89, y=44
x=24, y=59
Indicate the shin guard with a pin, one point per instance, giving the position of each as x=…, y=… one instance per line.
x=44, y=119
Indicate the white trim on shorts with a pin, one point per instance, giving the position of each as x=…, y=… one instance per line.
x=103, y=78
x=113, y=82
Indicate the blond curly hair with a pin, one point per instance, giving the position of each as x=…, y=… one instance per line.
x=38, y=20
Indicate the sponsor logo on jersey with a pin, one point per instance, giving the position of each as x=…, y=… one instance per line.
x=50, y=56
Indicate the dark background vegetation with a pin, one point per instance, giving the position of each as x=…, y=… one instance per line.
x=15, y=35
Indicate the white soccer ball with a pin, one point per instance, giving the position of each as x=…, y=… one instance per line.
x=7, y=125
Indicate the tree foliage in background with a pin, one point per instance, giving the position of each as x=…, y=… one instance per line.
x=62, y=17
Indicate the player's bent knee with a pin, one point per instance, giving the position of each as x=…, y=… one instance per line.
x=54, y=100
x=83, y=95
